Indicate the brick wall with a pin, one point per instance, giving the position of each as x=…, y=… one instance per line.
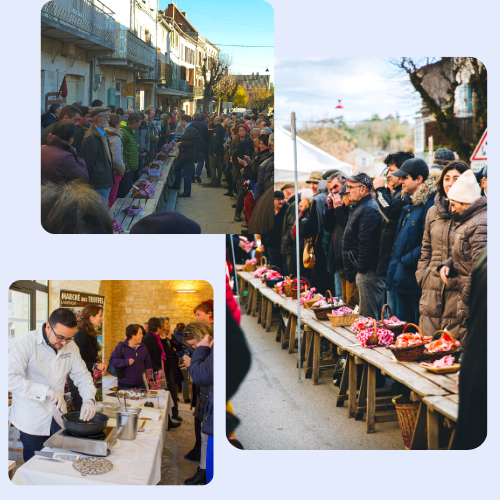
x=129, y=302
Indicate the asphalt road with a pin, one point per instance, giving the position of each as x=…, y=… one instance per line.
x=279, y=413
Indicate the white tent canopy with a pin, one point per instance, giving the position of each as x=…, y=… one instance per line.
x=309, y=158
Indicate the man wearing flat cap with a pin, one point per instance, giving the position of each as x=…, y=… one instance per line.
x=97, y=153
x=361, y=244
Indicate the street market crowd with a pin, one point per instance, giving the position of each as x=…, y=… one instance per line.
x=90, y=156
x=168, y=360
x=409, y=239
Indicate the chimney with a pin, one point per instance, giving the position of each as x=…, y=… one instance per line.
x=184, y=14
x=257, y=73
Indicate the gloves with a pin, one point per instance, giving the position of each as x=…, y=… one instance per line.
x=88, y=411
x=55, y=397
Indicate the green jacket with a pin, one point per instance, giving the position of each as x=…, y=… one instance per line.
x=130, y=149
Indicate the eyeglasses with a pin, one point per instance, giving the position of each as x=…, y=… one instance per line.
x=60, y=338
x=352, y=187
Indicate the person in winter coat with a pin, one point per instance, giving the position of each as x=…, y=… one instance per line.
x=60, y=162
x=86, y=340
x=314, y=231
x=287, y=242
x=335, y=231
x=240, y=147
x=201, y=127
x=361, y=244
x=390, y=204
x=251, y=168
x=67, y=113
x=96, y=152
x=130, y=153
x=154, y=136
x=143, y=144
x=472, y=423
x=419, y=190
x=186, y=156
x=272, y=239
x=115, y=141
x=216, y=152
x=469, y=215
x=51, y=116
x=438, y=304
x=268, y=170
x=164, y=130
x=81, y=127
x=132, y=355
x=201, y=371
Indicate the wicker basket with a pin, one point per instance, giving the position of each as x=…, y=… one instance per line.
x=304, y=281
x=321, y=312
x=310, y=303
x=396, y=329
x=347, y=320
x=373, y=338
x=410, y=353
x=433, y=356
x=287, y=286
x=407, y=417
x=277, y=289
x=442, y=369
x=250, y=268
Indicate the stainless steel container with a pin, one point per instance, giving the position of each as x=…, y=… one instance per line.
x=129, y=421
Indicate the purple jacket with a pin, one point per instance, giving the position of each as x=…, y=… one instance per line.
x=60, y=162
x=134, y=372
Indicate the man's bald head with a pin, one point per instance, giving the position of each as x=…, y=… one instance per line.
x=217, y=120
x=130, y=111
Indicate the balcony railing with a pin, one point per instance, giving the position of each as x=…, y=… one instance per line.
x=162, y=73
x=198, y=91
x=131, y=49
x=180, y=85
x=90, y=17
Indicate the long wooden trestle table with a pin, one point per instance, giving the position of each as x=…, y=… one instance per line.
x=437, y=393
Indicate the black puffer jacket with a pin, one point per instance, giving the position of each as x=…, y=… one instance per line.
x=251, y=171
x=187, y=145
x=361, y=238
x=390, y=205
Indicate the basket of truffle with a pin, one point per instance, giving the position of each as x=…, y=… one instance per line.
x=310, y=298
x=143, y=189
x=393, y=323
x=443, y=343
x=409, y=346
x=343, y=316
x=273, y=276
x=304, y=285
x=324, y=306
x=374, y=336
x=250, y=265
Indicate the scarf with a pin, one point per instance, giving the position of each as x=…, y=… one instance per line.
x=163, y=355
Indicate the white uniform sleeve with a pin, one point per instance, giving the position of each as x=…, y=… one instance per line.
x=81, y=377
x=18, y=383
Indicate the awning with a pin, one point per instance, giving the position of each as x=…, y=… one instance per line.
x=309, y=158
x=179, y=93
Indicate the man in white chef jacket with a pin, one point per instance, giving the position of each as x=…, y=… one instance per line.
x=38, y=365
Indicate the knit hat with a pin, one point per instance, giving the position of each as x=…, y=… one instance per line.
x=165, y=223
x=279, y=194
x=466, y=189
x=444, y=154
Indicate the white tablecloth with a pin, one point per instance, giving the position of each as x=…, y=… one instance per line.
x=135, y=462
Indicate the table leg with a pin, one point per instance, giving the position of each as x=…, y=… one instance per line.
x=344, y=384
x=370, y=404
x=255, y=302
x=259, y=309
x=416, y=441
x=249, y=299
x=293, y=327
x=308, y=340
x=353, y=382
x=432, y=429
x=242, y=289
x=362, y=393
x=263, y=314
x=269, y=318
x=316, y=355
x=285, y=336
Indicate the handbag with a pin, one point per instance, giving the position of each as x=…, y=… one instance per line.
x=308, y=257
x=118, y=372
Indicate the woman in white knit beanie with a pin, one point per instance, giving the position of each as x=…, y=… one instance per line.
x=464, y=192
x=469, y=218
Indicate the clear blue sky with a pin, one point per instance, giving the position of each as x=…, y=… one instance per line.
x=366, y=86
x=235, y=22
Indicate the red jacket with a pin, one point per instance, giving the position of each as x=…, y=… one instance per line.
x=232, y=303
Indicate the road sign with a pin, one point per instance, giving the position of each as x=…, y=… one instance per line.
x=479, y=158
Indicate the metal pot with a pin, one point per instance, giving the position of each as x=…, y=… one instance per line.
x=78, y=427
x=129, y=422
